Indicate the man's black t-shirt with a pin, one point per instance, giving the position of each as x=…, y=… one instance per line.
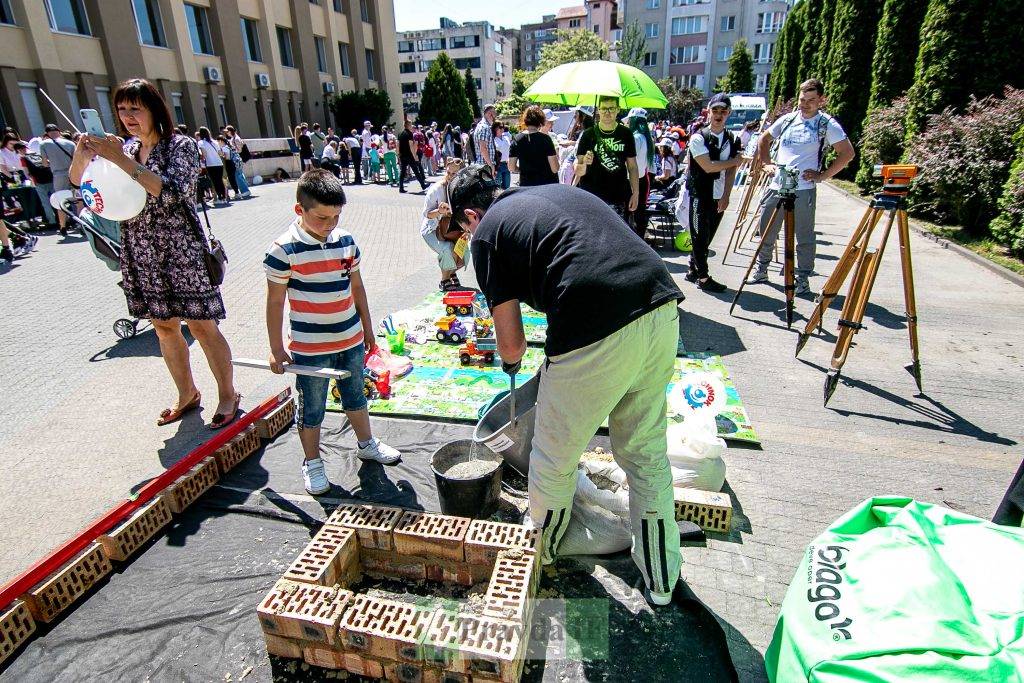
x=532, y=151
x=405, y=145
x=565, y=252
x=608, y=176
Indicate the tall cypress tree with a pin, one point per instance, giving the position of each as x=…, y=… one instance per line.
x=444, y=95
x=949, y=59
x=740, y=76
x=782, y=84
x=474, y=99
x=848, y=64
x=825, y=32
x=1004, y=36
x=810, y=42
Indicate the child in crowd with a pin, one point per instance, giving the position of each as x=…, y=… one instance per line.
x=344, y=162
x=315, y=266
x=375, y=162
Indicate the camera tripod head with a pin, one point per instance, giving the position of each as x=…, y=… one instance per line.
x=789, y=180
x=895, y=178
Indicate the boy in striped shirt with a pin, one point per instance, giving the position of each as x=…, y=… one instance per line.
x=315, y=266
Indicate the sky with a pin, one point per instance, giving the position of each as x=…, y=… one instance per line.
x=417, y=15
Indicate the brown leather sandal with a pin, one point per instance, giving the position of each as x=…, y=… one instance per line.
x=169, y=415
x=221, y=420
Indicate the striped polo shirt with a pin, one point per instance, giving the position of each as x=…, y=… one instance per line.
x=322, y=315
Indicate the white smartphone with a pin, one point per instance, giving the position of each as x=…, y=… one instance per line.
x=93, y=125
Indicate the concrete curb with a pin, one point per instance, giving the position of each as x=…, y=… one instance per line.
x=999, y=270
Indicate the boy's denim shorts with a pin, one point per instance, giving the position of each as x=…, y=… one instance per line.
x=312, y=391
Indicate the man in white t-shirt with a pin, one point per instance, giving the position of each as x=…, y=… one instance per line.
x=714, y=157
x=802, y=137
x=367, y=140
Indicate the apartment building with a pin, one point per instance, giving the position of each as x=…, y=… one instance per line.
x=691, y=40
x=488, y=53
x=534, y=37
x=597, y=16
x=262, y=65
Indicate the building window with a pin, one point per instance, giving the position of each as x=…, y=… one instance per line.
x=464, y=41
x=199, y=29
x=147, y=19
x=597, y=28
x=409, y=89
x=574, y=23
x=650, y=59
x=761, y=84
x=685, y=54
x=499, y=69
x=364, y=10
x=682, y=26
x=346, y=69
x=652, y=30
x=271, y=128
x=478, y=83
x=284, y=44
x=463, y=63
x=770, y=22
x=339, y=7
x=724, y=53
x=68, y=16
x=683, y=3
x=428, y=44
x=179, y=110
x=210, y=123
x=407, y=46
x=30, y=100
x=371, y=66
x=692, y=81
x=499, y=48
x=321, y=54
x=728, y=23
x=76, y=106
x=251, y=40
x=763, y=53
x=222, y=108
x=425, y=65
x=653, y=4
x=407, y=68
x=6, y=16
x=106, y=113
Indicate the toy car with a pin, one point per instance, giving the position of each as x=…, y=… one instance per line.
x=460, y=303
x=375, y=385
x=484, y=326
x=450, y=329
x=483, y=348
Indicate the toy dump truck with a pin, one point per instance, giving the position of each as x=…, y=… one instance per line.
x=458, y=303
x=478, y=348
x=450, y=329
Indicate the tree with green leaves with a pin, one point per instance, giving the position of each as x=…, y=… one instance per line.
x=848, y=66
x=571, y=46
x=683, y=103
x=444, y=95
x=474, y=99
x=633, y=46
x=825, y=30
x=351, y=108
x=782, y=84
x=1003, y=36
x=810, y=42
x=740, y=76
x=949, y=59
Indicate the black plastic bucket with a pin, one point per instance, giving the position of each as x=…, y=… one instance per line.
x=476, y=498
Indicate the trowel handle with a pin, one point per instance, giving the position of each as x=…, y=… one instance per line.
x=512, y=369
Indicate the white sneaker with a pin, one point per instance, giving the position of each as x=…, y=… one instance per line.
x=758, y=277
x=314, y=477
x=802, y=286
x=658, y=599
x=379, y=451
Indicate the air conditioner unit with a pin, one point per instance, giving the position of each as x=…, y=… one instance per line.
x=211, y=74
x=262, y=80
x=328, y=87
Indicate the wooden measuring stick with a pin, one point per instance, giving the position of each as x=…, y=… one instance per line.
x=293, y=368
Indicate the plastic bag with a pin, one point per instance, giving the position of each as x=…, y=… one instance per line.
x=696, y=452
x=380, y=360
x=593, y=528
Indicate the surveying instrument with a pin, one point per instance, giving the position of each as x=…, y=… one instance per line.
x=864, y=261
x=789, y=178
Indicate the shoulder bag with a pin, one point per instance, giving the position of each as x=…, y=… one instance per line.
x=214, y=255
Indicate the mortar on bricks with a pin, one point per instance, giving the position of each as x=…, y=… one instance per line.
x=468, y=479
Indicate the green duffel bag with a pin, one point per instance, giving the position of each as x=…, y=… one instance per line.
x=898, y=590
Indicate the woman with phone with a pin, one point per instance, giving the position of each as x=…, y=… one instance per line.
x=163, y=248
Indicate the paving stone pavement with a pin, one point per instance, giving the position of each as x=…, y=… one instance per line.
x=77, y=420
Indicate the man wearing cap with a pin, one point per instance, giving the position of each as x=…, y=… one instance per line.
x=714, y=157
x=58, y=153
x=483, y=137
x=611, y=345
x=606, y=160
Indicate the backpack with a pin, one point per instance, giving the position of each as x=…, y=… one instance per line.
x=40, y=173
x=822, y=133
x=245, y=154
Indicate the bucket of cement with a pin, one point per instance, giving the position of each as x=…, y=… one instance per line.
x=468, y=479
x=495, y=429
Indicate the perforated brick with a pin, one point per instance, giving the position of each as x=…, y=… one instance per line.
x=283, y=647
x=332, y=557
x=363, y=666
x=190, y=486
x=428, y=535
x=323, y=655
x=16, y=626
x=276, y=421
x=462, y=573
x=389, y=564
x=384, y=629
x=512, y=587
x=710, y=510
x=484, y=540
x=237, y=449
x=374, y=524
x=120, y=542
x=476, y=645
x=304, y=611
x=52, y=596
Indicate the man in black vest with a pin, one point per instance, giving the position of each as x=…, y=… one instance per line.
x=714, y=156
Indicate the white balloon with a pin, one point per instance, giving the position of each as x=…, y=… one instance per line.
x=257, y=180
x=110, y=192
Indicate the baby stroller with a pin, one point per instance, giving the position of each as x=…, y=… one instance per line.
x=105, y=239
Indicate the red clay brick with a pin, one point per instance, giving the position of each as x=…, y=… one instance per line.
x=389, y=564
x=332, y=557
x=277, y=420
x=283, y=647
x=512, y=587
x=190, y=486
x=120, y=542
x=374, y=524
x=323, y=656
x=16, y=626
x=430, y=535
x=51, y=597
x=477, y=645
x=304, y=611
x=363, y=666
x=485, y=540
x=710, y=510
x=237, y=450
x=384, y=629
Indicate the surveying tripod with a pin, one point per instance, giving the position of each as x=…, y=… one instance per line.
x=786, y=205
x=864, y=261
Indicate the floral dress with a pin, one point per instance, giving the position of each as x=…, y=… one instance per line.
x=162, y=263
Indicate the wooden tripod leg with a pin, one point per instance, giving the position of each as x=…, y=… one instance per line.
x=862, y=233
x=754, y=218
x=737, y=227
x=908, y=295
x=757, y=252
x=788, y=265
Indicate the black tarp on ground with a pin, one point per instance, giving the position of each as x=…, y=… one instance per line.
x=184, y=609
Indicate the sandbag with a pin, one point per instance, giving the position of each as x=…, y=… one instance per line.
x=696, y=452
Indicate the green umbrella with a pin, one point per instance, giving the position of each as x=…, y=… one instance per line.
x=579, y=83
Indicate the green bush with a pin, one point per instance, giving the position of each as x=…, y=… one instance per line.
x=881, y=140
x=1008, y=227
